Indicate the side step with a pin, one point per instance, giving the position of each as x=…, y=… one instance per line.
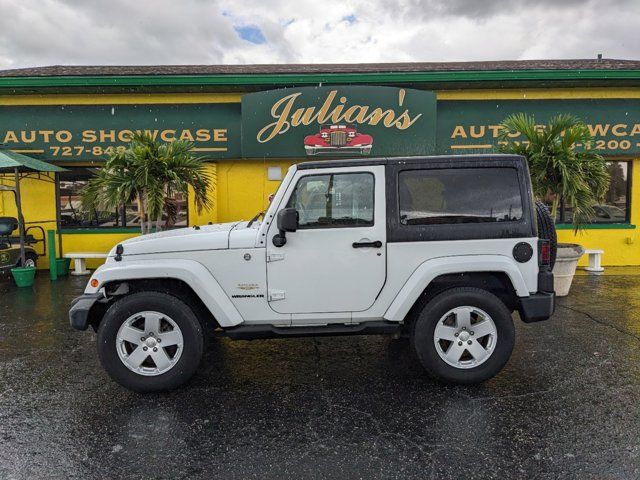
x=252, y=332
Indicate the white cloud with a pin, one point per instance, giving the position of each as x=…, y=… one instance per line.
x=45, y=32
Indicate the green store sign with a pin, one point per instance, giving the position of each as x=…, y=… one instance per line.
x=310, y=122
x=338, y=121
x=90, y=132
x=468, y=126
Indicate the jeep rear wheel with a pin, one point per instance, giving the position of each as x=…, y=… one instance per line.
x=150, y=341
x=463, y=335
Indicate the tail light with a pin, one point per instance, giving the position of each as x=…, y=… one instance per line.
x=544, y=253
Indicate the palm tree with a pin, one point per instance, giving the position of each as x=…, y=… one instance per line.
x=150, y=173
x=560, y=172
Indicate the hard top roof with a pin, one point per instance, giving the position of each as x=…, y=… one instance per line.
x=355, y=162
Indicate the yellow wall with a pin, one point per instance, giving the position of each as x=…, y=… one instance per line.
x=621, y=246
x=241, y=188
x=89, y=242
x=35, y=195
x=205, y=216
x=39, y=205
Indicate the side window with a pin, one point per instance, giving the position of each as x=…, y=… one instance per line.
x=334, y=200
x=460, y=195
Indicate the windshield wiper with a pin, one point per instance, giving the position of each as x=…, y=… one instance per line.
x=252, y=221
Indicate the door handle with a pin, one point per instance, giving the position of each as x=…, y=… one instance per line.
x=376, y=244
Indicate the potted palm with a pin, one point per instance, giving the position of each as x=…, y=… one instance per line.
x=149, y=173
x=564, y=170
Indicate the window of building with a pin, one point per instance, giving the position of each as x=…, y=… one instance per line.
x=341, y=200
x=615, y=208
x=72, y=215
x=461, y=195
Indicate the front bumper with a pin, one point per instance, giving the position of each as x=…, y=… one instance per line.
x=80, y=307
x=537, y=307
x=319, y=149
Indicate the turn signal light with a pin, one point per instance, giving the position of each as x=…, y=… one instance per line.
x=94, y=283
x=544, y=252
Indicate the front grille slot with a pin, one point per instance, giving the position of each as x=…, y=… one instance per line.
x=338, y=139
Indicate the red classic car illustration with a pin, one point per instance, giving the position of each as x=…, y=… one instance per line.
x=337, y=139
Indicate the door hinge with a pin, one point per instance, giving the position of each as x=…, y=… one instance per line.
x=274, y=257
x=276, y=295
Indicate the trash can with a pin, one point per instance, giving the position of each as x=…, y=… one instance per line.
x=62, y=265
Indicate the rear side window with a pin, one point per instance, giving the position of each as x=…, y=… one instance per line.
x=459, y=195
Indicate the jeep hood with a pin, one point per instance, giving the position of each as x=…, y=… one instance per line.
x=207, y=237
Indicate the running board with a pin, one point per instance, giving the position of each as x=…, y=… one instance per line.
x=252, y=332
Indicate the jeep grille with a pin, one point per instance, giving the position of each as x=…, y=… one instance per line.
x=338, y=139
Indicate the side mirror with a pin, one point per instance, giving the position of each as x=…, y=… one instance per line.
x=287, y=221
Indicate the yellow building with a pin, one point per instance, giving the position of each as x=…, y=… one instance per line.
x=252, y=122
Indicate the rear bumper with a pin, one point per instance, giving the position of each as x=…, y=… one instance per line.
x=537, y=307
x=80, y=307
x=541, y=305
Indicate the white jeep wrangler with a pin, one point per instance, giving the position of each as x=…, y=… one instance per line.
x=442, y=249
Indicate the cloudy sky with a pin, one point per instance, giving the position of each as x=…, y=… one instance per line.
x=86, y=32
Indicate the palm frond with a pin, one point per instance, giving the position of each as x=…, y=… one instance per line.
x=560, y=162
x=150, y=171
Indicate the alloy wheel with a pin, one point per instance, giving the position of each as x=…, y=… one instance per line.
x=149, y=343
x=465, y=337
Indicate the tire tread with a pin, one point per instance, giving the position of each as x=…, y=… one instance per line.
x=422, y=336
x=181, y=313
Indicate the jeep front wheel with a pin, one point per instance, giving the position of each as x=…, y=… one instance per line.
x=150, y=341
x=464, y=335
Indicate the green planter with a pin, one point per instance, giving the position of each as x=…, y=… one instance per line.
x=63, y=266
x=23, y=276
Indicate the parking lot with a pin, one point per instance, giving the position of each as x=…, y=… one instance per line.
x=566, y=405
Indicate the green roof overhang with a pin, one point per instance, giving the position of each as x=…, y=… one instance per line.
x=10, y=160
x=455, y=78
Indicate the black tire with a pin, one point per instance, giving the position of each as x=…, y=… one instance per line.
x=172, y=307
x=547, y=229
x=422, y=335
x=29, y=257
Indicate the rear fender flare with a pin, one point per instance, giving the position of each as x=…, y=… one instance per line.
x=429, y=270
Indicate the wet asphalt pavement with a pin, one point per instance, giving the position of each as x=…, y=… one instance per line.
x=566, y=406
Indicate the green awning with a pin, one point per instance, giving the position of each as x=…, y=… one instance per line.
x=10, y=160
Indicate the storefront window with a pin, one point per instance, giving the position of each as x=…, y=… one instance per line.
x=615, y=207
x=72, y=215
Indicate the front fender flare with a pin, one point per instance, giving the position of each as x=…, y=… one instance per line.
x=429, y=270
x=194, y=274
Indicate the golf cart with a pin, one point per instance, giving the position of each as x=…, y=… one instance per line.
x=22, y=265
x=9, y=251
